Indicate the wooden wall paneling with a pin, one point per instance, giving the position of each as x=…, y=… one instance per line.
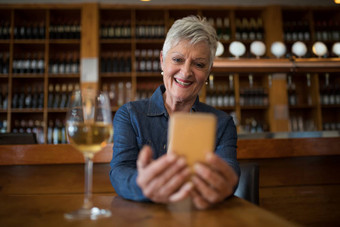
x=236, y=78
x=46, y=77
x=315, y=92
x=278, y=104
x=133, y=51
x=89, y=41
x=273, y=26
x=301, y=189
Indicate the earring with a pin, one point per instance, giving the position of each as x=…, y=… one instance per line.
x=162, y=73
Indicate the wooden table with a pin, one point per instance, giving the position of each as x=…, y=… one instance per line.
x=39, y=195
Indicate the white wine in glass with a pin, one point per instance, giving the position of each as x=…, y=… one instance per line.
x=89, y=129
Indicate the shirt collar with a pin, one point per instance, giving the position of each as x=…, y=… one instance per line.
x=157, y=107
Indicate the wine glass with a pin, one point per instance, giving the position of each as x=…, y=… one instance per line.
x=89, y=129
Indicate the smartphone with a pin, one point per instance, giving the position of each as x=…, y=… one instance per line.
x=192, y=135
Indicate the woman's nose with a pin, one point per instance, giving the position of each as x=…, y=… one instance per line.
x=186, y=69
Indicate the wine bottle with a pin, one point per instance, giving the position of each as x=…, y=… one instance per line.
x=103, y=30
x=114, y=67
x=227, y=30
x=148, y=60
x=120, y=62
x=245, y=29
x=69, y=94
x=28, y=97
x=300, y=31
x=113, y=95
x=155, y=61
x=118, y=30
x=64, y=95
x=50, y=132
x=127, y=30
x=137, y=60
x=127, y=60
x=75, y=62
x=68, y=63
x=291, y=92
x=5, y=66
x=34, y=64
x=142, y=62
x=231, y=91
x=41, y=63
x=21, y=99
x=15, y=98
x=111, y=31
x=35, y=97
x=61, y=66
x=57, y=132
x=219, y=28
x=73, y=31
x=29, y=31
x=252, y=29
x=41, y=96
x=55, y=64
x=67, y=30
x=52, y=31
x=260, y=29
x=238, y=25
x=50, y=95
x=39, y=131
x=20, y=64
x=57, y=96
x=22, y=32
x=121, y=95
x=27, y=63
x=306, y=30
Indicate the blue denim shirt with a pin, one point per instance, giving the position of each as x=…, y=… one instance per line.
x=146, y=122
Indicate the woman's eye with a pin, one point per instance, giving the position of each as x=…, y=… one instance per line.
x=200, y=65
x=177, y=60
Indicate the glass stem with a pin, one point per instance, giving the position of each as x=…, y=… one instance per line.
x=88, y=182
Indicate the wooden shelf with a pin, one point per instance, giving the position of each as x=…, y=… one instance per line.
x=115, y=75
x=277, y=65
x=27, y=110
x=269, y=73
x=317, y=65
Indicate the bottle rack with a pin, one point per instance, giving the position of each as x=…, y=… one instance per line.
x=130, y=39
x=39, y=48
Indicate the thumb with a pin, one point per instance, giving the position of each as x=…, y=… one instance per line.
x=144, y=157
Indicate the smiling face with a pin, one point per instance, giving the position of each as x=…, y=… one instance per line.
x=186, y=68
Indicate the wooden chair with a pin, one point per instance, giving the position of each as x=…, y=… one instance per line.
x=248, y=187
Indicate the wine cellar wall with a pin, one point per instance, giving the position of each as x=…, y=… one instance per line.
x=40, y=55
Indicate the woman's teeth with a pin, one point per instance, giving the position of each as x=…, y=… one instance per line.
x=182, y=83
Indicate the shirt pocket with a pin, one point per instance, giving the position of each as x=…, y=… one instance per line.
x=144, y=141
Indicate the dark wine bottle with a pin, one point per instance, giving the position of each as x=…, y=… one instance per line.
x=50, y=96
x=28, y=97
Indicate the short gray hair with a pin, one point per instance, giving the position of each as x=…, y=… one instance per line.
x=194, y=29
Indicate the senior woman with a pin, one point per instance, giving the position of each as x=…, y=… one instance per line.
x=141, y=169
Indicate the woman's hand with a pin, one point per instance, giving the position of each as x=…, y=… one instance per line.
x=163, y=180
x=214, y=181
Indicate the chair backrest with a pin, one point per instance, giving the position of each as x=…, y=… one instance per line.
x=17, y=138
x=248, y=187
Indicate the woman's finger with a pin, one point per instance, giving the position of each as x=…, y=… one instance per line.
x=199, y=202
x=182, y=193
x=207, y=192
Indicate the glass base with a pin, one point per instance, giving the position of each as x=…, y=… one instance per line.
x=88, y=213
